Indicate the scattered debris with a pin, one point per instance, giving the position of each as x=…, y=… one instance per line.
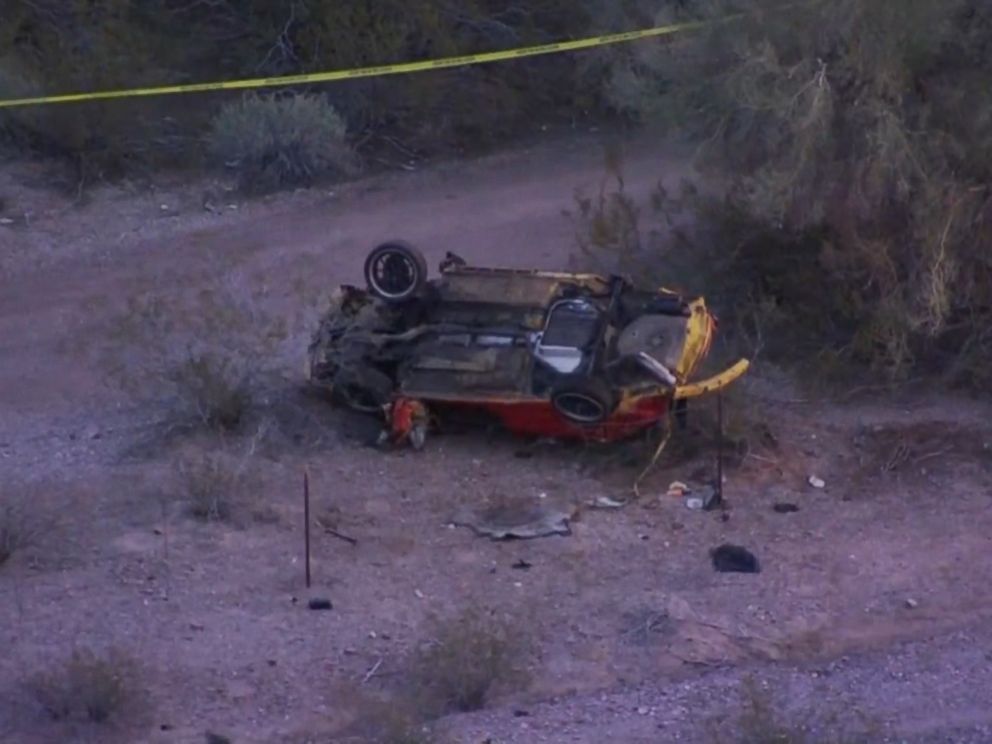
x=734, y=559
x=371, y=672
x=678, y=489
x=817, y=482
x=605, y=502
x=703, y=499
x=319, y=603
x=213, y=738
x=520, y=521
x=340, y=536
x=912, y=604
x=522, y=565
x=785, y=508
x=6, y=221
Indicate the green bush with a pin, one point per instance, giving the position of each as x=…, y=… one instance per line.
x=277, y=141
x=855, y=142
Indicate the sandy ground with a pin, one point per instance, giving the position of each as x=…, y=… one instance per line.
x=874, y=595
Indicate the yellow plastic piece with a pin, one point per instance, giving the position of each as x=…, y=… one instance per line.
x=698, y=338
x=714, y=383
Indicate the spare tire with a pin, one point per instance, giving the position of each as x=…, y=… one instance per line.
x=362, y=388
x=395, y=271
x=583, y=400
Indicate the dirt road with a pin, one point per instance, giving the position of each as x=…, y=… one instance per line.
x=873, y=595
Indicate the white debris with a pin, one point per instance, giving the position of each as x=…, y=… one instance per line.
x=817, y=482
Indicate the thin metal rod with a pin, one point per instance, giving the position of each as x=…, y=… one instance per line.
x=306, y=521
x=719, y=447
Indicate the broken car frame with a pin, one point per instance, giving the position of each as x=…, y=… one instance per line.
x=547, y=354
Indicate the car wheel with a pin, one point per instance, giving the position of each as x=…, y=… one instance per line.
x=364, y=389
x=583, y=400
x=395, y=271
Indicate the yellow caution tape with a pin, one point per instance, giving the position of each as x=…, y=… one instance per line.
x=366, y=72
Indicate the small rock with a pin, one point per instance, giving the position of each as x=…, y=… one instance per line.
x=420, y=594
x=213, y=738
x=785, y=508
x=522, y=565
x=912, y=604
x=817, y=482
x=320, y=603
x=6, y=221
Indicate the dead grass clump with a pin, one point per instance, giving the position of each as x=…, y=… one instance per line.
x=217, y=388
x=388, y=721
x=468, y=657
x=212, y=484
x=89, y=685
x=208, y=355
x=20, y=527
x=762, y=721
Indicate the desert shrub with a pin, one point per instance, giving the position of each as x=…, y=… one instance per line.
x=211, y=483
x=93, y=686
x=851, y=141
x=283, y=140
x=762, y=720
x=388, y=721
x=469, y=655
x=209, y=352
x=20, y=526
x=50, y=47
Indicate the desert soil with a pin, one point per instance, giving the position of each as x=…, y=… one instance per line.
x=873, y=597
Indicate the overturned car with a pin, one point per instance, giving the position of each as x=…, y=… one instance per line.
x=562, y=355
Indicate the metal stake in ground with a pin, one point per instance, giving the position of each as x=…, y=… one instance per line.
x=306, y=522
x=718, y=489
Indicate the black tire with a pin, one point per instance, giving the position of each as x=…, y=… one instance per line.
x=362, y=388
x=584, y=400
x=395, y=271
